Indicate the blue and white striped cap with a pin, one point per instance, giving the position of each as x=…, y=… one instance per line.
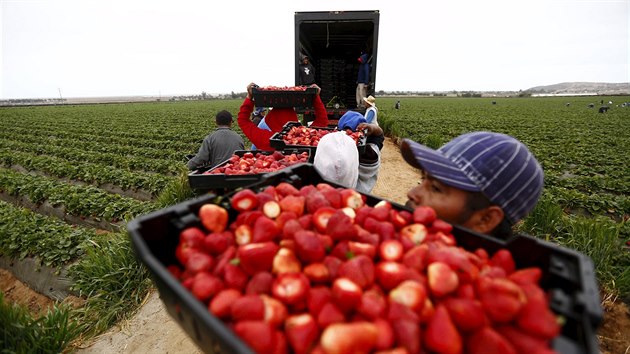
x=497, y=165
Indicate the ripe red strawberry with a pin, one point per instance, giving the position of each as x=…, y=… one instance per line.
x=321, y=217
x=346, y=294
x=306, y=221
x=257, y=257
x=409, y=293
x=260, y=283
x=205, y=285
x=407, y=335
x=458, y=259
x=380, y=213
x=285, y=216
x=243, y=234
x=274, y=311
x=503, y=258
x=397, y=219
x=360, y=270
x=339, y=226
x=416, y=257
x=373, y=305
x=217, y=243
x=294, y=203
x=333, y=264
x=360, y=248
x=248, y=218
x=223, y=259
x=302, y=333
x=316, y=298
x=308, y=246
x=315, y=201
x=199, y=262
x=259, y=335
x=284, y=189
x=234, y=277
x=424, y=215
x=213, y=217
x=329, y=314
x=390, y=274
x=290, y=288
x=537, y=319
x=361, y=214
x=265, y=230
x=271, y=209
x=488, y=341
x=244, y=200
x=413, y=234
x=221, y=304
x=248, y=307
x=467, y=314
x=365, y=236
x=355, y=337
x=501, y=298
x=441, y=336
x=190, y=240
x=390, y=250
x=308, y=189
x=523, y=343
x=351, y=198
x=286, y=261
x=317, y=273
x=333, y=197
x=442, y=226
x=529, y=275
x=385, y=338
x=290, y=228
x=442, y=279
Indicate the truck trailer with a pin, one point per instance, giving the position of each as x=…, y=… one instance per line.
x=333, y=42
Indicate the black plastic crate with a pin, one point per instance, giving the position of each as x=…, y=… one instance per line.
x=284, y=98
x=568, y=276
x=277, y=141
x=200, y=181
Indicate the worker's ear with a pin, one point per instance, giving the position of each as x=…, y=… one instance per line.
x=485, y=220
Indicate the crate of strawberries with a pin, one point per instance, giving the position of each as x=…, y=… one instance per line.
x=246, y=167
x=294, y=264
x=284, y=96
x=295, y=135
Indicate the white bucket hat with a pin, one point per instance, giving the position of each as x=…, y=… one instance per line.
x=337, y=159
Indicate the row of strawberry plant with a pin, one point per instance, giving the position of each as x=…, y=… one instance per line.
x=96, y=174
x=81, y=201
x=24, y=233
x=155, y=148
x=76, y=154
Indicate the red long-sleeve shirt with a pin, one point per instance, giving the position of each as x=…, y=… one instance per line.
x=261, y=137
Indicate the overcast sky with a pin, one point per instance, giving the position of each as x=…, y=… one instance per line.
x=152, y=47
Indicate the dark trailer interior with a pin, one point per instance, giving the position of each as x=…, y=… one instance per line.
x=333, y=41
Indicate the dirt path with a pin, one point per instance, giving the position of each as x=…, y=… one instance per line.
x=152, y=330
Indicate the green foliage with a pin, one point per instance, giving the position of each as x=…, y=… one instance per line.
x=21, y=333
x=176, y=192
x=113, y=281
x=24, y=233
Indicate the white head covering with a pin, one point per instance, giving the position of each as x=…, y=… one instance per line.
x=337, y=159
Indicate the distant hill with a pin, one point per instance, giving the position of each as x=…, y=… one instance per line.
x=601, y=88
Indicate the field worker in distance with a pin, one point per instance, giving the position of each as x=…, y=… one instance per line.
x=307, y=72
x=371, y=113
x=219, y=145
x=484, y=181
x=275, y=119
x=337, y=159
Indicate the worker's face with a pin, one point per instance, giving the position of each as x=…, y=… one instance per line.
x=305, y=60
x=448, y=202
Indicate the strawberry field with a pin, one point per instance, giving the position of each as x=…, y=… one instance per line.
x=72, y=176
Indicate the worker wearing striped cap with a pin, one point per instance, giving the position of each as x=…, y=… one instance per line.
x=483, y=181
